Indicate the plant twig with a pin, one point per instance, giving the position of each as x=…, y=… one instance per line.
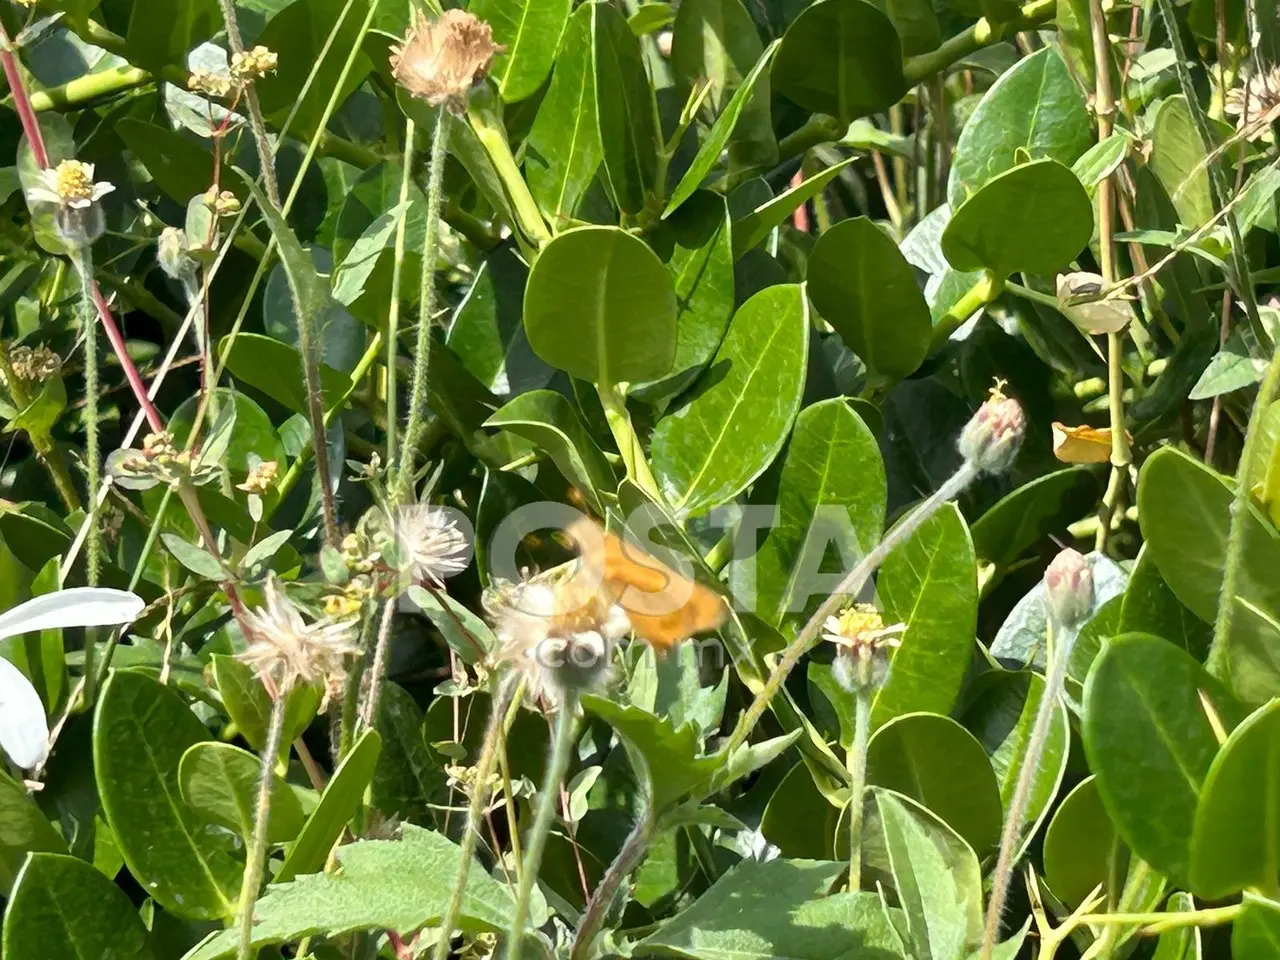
x=857, y=764
x=628, y=858
x=256, y=862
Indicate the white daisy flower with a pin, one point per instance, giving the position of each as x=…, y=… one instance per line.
x=69, y=184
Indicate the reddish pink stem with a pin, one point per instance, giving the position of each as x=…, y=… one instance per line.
x=21, y=102
x=126, y=362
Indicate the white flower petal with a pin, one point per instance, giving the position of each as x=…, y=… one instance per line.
x=77, y=607
x=100, y=190
x=24, y=731
x=42, y=195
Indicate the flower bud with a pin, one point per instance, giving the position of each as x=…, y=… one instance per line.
x=171, y=252
x=79, y=227
x=990, y=440
x=1069, y=586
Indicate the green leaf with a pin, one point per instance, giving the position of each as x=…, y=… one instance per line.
x=798, y=819
x=664, y=755
x=63, y=907
x=832, y=485
x=600, y=306
x=23, y=829
x=343, y=796
x=275, y=368
x=916, y=23
x=1032, y=111
x=1256, y=933
x=709, y=450
x=863, y=286
x=1185, y=943
x=563, y=150
x=253, y=435
x=1033, y=218
x=650, y=18
x=1101, y=160
x=1178, y=161
x=841, y=57
x=1033, y=511
x=249, y=707
x=351, y=275
x=530, y=31
x=625, y=110
x=141, y=730
x=941, y=765
x=1184, y=508
x=751, y=229
x=1142, y=711
x=399, y=885
x=709, y=153
x=1236, y=841
x=196, y=559
x=549, y=420
x=464, y=631
x=1151, y=607
x=179, y=165
x=930, y=583
x=220, y=782
x=38, y=417
x=161, y=32
x=406, y=781
x=777, y=911
x=936, y=875
x=41, y=656
x=1079, y=845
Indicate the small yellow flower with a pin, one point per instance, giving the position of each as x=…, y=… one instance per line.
x=253, y=64
x=157, y=445
x=211, y=83
x=859, y=625
x=441, y=59
x=261, y=477
x=340, y=606
x=69, y=184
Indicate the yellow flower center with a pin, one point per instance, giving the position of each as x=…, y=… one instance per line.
x=859, y=620
x=75, y=181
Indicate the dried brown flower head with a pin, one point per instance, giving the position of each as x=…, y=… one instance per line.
x=34, y=364
x=440, y=60
x=1255, y=105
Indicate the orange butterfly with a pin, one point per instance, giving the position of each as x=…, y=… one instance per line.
x=663, y=606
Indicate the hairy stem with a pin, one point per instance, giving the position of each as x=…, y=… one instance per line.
x=1011, y=837
x=373, y=690
x=500, y=718
x=628, y=858
x=548, y=795
x=848, y=589
x=93, y=455
x=257, y=857
x=857, y=765
x=427, y=307
x=397, y=270
x=257, y=124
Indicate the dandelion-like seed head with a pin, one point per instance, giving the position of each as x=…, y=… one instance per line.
x=284, y=649
x=863, y=642
x=440, y=60
x=1255, y=104
x=428, y=543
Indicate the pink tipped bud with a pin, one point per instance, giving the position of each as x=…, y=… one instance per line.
x=1069, y=584
x=990, y=440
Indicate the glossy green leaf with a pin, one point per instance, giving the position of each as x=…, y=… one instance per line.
x=342, y=798
x=1236, y=841
x=249, y=706
x=666, y=756
x=63, y=907
x=843, y=58
x=563, y=151
x=941, y=765
x=275, y=368
x=548, y=419
x=1032, y=218
x=1256, y=933
x=798, y=819
x=530, y=31
x=709, y=450
x=936, y=875
x=1032, y=111
x=1184, y=508
x=750, y=229
x=916, y=23
x=179, y=164
x=1178, y=161
x=600, y=305
x=401, y=885
x=1078, y=845
x=832, y=487
x=23, y=829
x=253, y=435
x=718, y=137
x=1142, y=711
x=863, y=286
x=161, y=32
x=930, y=583
x=1151, y=607
x=220, y=782
x=625, y=110
x=1032, y=512
x=407, y=781
x=141, y=730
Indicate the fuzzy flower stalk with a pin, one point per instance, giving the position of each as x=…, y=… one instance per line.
x=284, y=649
x=988, y=444
x=1069, y=598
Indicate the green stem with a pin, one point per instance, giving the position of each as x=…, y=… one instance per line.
x=426, y=311
x=87, y=90
x=624, y=434
x=1011, y=837
x=255, y=865
x=628, y=858
x=378, y=669
x=397, y=271
x=93, y=455
x=985, y=289
x=500, y=717
x=1159, y=922
x=548, y=798
x=982, y=34
x=857, y=765
x=818, y=129
x=266, y=158
x=488, y=129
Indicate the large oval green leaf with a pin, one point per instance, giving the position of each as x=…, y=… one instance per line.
x=937, y=762
x=600, y=306
x=1033, y=110
x=930, y=583
x=832, y=487
x=1033, y=511
x=1142, y=712
x=1256, y=933
x=709, y=450
x=1178, y=161
x=23, y=829
x=220, y=782
x=141, y=730
x=1033, y=218
x=529, y=30
x=1236, y=841
x=62, y=907
x=841, y=57
x=625, y=110
x=864, y=287
x=1078, y=845
x=1150, y=606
